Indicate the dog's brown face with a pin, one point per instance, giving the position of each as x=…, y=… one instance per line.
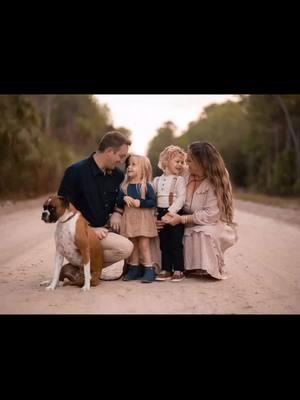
x=54, y=207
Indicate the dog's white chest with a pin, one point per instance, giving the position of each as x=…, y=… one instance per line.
x=65, y=241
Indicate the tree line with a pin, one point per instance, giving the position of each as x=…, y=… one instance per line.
x=258, y=136
x=41, y=134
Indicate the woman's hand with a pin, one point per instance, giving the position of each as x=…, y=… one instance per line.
x=173, y=219
x=167, y=218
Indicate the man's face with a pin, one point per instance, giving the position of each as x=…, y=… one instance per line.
x=116, y=157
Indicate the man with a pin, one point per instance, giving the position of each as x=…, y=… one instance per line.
x=92, y=186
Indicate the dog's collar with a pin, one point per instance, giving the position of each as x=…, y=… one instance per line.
x=68, y=219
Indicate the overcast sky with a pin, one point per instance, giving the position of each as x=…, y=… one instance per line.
x=144, y=114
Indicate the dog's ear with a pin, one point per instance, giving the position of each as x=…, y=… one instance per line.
x=47, y=201
x=64, y=201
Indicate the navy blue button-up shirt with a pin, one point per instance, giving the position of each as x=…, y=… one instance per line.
x=91, y=191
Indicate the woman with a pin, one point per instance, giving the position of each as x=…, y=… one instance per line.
x=208, y=212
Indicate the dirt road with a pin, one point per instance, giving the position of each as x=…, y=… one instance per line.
x=263, y=269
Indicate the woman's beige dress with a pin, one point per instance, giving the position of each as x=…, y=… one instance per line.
x=208, y=237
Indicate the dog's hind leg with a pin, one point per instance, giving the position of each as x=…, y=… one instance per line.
x=73, y=274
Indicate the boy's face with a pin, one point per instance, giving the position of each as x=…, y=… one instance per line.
x=176, y=165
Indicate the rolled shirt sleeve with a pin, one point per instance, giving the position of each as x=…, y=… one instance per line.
x=180, y=192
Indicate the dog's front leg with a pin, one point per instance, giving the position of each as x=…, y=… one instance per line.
x=87, y=277
x=59, y=259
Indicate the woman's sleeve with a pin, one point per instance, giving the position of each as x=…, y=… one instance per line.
x=210, y=213
x=150, y=200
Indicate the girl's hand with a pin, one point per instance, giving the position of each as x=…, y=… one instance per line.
x=129, y=201
x=136, y=203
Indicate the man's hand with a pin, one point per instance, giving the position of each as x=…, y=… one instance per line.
x=101, y=233
x=115, y=221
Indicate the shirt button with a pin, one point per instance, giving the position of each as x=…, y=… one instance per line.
x=104, y=193
x=106, y=205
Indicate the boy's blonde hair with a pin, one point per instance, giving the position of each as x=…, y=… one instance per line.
x=167, y=154
x=145, y=173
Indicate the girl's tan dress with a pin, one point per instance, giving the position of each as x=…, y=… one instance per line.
x=138, y=222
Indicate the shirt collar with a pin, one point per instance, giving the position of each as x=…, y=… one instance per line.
x=96, y=170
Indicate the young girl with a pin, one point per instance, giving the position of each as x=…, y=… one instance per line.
x=208, y=212
x=137, y=197
x=170, y=190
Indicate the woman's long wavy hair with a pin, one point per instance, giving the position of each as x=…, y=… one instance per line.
x=145, y=169
x=213, y=164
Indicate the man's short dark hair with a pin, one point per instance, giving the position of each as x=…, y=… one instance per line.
x=113, y=139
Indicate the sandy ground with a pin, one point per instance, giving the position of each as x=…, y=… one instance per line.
x=263, y=269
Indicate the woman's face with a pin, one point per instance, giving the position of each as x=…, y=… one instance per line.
x=194, y=166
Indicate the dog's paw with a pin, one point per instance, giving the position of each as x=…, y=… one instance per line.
x=50, y=287
x=45, y=283
x=85, y=288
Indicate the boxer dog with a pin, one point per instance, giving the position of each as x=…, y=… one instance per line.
x=76, y=241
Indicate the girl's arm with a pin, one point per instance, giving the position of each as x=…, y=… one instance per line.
x=150, y=200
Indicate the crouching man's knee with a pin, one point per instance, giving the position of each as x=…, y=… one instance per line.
x=127, y=248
